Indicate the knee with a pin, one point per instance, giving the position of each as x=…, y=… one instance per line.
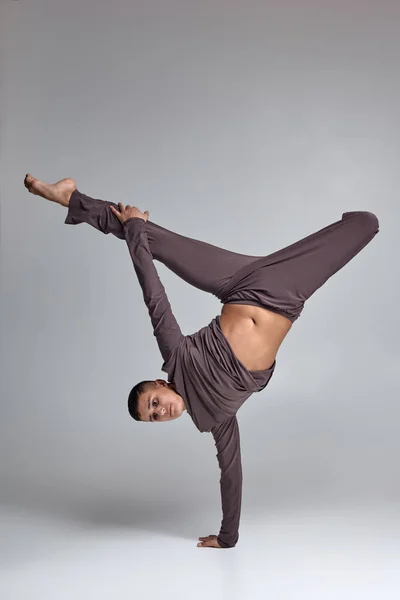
x=369, y=220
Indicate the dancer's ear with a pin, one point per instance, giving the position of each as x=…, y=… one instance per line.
x=161, y=382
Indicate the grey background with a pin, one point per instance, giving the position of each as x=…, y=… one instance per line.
x=245, y=124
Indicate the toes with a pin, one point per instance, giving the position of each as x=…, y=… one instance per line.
x=28, y=182
x=28, y=179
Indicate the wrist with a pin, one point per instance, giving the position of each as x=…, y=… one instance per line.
x=132, y=219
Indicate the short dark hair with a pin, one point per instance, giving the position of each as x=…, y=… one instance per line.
x=134, y=394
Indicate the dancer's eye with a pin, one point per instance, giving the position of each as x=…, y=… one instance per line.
x=154, y=403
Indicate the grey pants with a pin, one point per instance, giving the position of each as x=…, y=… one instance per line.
x=281, y=281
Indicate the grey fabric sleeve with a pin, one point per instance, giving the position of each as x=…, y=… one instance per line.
x=165, y=326
x=227, y=441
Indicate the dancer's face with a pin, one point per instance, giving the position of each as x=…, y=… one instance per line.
x=160, y=403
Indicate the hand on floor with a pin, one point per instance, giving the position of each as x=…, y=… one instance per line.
x=209, y=542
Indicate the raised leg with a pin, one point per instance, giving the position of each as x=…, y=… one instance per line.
x=285, y=279
x=205, y=266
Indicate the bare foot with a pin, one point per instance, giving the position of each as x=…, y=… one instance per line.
x=59, y=192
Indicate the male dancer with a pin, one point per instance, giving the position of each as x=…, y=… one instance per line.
x=213, y=371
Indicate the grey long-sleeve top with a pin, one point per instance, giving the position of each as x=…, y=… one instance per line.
x=206, y=373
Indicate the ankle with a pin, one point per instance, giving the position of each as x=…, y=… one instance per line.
x=64, y=200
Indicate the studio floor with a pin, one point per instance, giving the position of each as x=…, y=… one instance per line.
x=348, y=553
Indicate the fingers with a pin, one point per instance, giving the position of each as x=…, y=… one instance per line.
x=126, y=211
x=208, y=544
x=210, y=541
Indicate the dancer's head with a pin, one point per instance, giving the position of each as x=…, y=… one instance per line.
x=155, y=401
